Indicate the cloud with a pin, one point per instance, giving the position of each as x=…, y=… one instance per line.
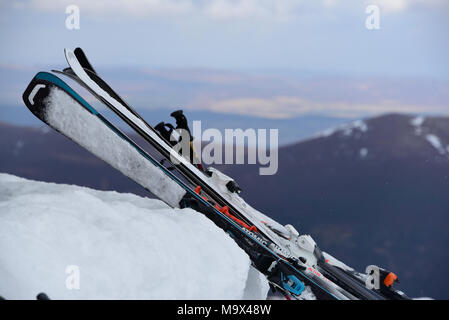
x=130, y=8
x=215, y=9
x=275, y=10
x=396, y=6
x=247, y=9
x=390, y=5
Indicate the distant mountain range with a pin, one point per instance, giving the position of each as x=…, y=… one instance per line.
x=370, y=192
x=290, y=130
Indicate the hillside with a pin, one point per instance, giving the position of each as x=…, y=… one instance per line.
x=372, y=192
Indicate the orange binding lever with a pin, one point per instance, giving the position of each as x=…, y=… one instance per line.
x=390, y=279
x=225, y=210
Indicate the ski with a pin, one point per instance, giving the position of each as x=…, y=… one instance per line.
x=82, y=58
x=59, y=106
x=386, y=289
x=83, y=73
x=99, y=88
x=344, y=281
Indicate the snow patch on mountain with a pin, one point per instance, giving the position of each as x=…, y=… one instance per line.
x=124, y=247
x=436, y=143
x=356, y=125
x=363, y=152
x=417, y=123
x=327, y=132
x=425, y=132
x=346, y=129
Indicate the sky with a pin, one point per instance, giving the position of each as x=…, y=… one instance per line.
x=221, y=48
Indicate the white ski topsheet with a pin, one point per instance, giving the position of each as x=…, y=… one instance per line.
x=64, y=114
x=81, y=73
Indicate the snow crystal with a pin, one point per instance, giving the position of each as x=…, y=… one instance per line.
x=125, y=246
x=436, y=143
x=64, y=113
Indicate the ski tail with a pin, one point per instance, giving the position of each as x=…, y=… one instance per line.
x=82, y=58
x=59, y=106
x=349, y=284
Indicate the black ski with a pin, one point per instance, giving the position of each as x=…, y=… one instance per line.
x=82, y=58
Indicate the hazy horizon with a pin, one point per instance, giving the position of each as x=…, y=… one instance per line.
x=257, y=58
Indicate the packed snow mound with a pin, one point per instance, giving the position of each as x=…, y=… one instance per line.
x=73, y=242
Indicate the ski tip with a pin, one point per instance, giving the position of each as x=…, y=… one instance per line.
x=82, y=58
x=69, y=54
x=33, y=93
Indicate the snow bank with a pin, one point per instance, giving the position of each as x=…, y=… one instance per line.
x=124, y=247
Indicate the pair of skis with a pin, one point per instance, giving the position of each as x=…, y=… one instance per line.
x=55, y=103
x=82, y=72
